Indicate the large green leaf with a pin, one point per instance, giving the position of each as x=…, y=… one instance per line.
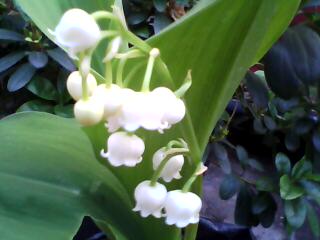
x=219, y=40
x=49, y=180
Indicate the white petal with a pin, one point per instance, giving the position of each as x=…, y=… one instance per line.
x=88, y=112
x=77, y=30
x=74, y=85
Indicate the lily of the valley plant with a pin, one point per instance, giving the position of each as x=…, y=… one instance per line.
x=124, y=111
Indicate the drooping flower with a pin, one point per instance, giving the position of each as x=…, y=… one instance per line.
x=111, y=97
x=172, y=168
x=150, y=199
x=124, y=149
x=182, y=208
x=173, y=107
x=142, y=110
x=88, y=112
x=114, y=98
x=77, y=31
x=74, y=85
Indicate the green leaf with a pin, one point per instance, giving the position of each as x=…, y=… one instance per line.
x=267, y=216
x=36, y=106
x=217, y=56
x=242, y=154
x=62, y=58
x=136, y=18
x=288, y=189
x=242, y=214
x=160, y=5
x=257, y=89
x=6, y=34
x=292, y=141
x=260, y=203
x=221, y=155
x=43, y=88
x=10, y=60
x=301, y=168
x=63, y=94
x=38, y=59
x=255, y=164
x=21, y=77
x=270, y=123
x=258, y=126
x=229, y=187
x=295, y=212
x=64, y=111
x=283, y=164
x=313, y=220
x=50, y=179
x=265, y=184
x=312, y=189
x=161, y=21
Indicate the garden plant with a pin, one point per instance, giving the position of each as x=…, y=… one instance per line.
x=132, y=156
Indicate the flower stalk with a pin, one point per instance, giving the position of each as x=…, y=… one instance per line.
x=154, y=53
x=169, y=154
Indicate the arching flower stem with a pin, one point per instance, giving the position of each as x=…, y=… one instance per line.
x=169, y=154
x=108, y=74
x=84, y=75
x=154, y=53
x=99, y=15
x=199, y=170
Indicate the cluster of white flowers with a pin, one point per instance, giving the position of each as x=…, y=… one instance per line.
x=179, y=207
x=124, y=111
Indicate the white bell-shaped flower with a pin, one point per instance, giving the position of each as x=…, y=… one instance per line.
x=143, y=109
x=77, y=31
x=172, y=168
x=150, y=199
x=114, y=101
x=111, y=97
x=88, y=112
x=173, y=107
x=124, y=149
x=74, y=85
x=182, y=208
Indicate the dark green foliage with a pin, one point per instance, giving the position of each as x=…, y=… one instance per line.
x=29, y=64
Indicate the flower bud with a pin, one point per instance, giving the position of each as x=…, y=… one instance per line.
x=150, y=199
x=172, y=168
x=114, y=48
x=74, y=85
x=88, y=112
x=182, y=208
x=124, y=149
x=77, y=30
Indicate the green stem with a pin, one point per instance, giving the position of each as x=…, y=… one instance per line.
x=188, y=184
x=85, y=94
x=148, y=74
x=185, y=86
x=169, y=154
x=98, y=15
x=108, y=33
x=135, y=53
x=175, y=143
x=134, y=40
x=108, y=74
x=120, y=68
